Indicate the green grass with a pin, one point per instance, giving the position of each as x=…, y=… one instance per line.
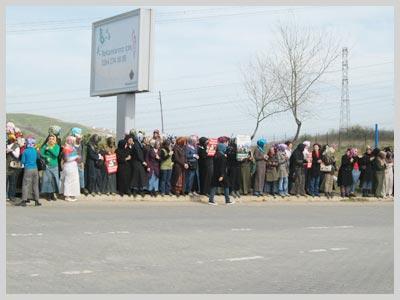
x=38, y=126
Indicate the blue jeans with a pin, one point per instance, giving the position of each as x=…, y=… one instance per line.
x=153, y=183
x=270, y=187
x=11, y=184
x=367, y=185
x=314, y=186
x=356, y=176
x=81, y=178
x=189, y=178
x=212, y=194
x=283, y=186
x=165, y=181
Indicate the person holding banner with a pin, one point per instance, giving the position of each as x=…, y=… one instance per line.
x=111, y=165
x=70, y=186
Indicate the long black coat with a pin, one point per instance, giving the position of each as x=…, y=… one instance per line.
x=124, y=172
x=345, y=176
x=233, y=168
x=205, y=170
x=220, y=170
x=366, y=167
x=139, y=175
x=93, y=170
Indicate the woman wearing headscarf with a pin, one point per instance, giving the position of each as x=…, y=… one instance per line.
x=245, y=174
x=315, y=171
x=94, y=162
x=192, y=158
x=179, y=167
x=261, y=159
x=78, y=145
x=110, y=180
x=389, y=172
x=205, y=167
x=153, y=166
x=50, y=152
x=345, y=177
x=283, y=170
x=233, y=169
x=297, y=162
x=355, y=172
x=70, y=186
x=307, y=165
x=380, y=174
x=366, y=176
x=124, y=168
x=329, y=168
x=13, y=165
x=271, y=172
x=30, y=182
x=166, y=167
x=220, y=174
x=139, y=177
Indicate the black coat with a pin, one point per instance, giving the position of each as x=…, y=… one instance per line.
x=233, y=167
x=93, y=170
x=139, y=175
x=220, y=170
x=366, y=167
x=345, y=176
x=205, y=170
x=124, y=172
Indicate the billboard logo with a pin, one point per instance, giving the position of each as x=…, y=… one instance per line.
x=131, y=74
x=104, y=36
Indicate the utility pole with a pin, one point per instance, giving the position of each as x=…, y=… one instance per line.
x=162, y=117
x=345, y=102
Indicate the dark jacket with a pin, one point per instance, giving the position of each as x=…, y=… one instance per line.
x=316, y=166
x=366, y=167
x=152, y=162
x=220, y=170
x=345, y=176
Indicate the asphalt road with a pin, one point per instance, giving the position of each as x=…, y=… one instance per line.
x=196, y=248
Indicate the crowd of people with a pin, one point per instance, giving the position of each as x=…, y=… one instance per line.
x=166, y=165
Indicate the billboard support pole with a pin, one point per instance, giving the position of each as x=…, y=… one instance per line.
x=125, y=114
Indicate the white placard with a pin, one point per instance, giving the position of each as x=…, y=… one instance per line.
x=122, y=54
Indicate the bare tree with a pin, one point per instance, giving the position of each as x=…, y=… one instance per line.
x=262, y=90
x=299, y=59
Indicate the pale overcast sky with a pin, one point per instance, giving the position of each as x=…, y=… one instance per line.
x=198, y=51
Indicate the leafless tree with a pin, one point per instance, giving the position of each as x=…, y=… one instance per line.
x=262, y=90
x=300, y=57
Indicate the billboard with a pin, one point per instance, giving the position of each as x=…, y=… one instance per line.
x=122, y=54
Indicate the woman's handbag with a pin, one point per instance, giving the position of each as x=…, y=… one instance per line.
x=41, y=164
x=14, y=164
x=325, y=168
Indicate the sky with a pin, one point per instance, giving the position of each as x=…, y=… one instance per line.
x=198, y=56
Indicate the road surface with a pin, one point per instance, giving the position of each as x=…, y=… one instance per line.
x=138, y=247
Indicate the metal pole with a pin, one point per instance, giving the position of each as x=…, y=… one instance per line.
x=125, y=114
x=162, y=117
x=376, y=136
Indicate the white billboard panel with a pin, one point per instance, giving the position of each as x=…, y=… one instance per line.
x=122, y=54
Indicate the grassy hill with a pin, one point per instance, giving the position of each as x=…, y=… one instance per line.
x=39, y=125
